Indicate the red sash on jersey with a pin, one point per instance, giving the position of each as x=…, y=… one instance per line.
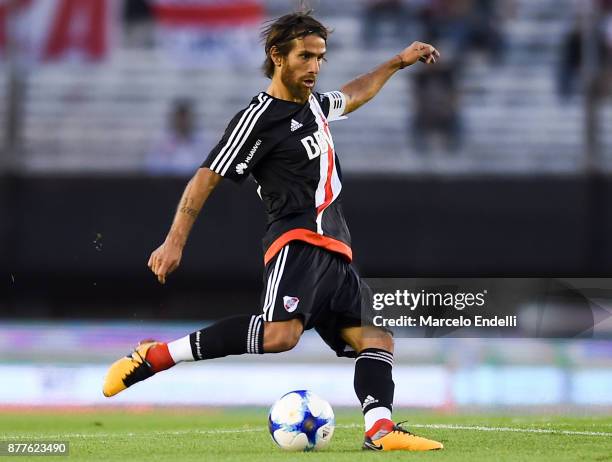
x=310, y=237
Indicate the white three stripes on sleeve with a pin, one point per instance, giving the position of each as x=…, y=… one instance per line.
x=337, y=105
x=335, y=98
x=240, y=134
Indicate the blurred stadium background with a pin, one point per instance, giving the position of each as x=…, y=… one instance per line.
x=495, y=163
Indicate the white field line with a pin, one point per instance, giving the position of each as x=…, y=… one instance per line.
x=477, y=428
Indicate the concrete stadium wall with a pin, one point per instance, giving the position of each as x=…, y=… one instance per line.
x=75, y=242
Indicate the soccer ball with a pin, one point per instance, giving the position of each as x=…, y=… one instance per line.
x=301, y=421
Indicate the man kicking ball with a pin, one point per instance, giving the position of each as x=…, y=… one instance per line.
x=283, y=140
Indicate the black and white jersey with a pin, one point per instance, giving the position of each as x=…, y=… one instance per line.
x=288, y=149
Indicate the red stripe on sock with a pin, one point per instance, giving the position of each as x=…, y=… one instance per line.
x=159, y=357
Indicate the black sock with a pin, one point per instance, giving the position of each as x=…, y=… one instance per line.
x=373, y=379
x=231, y=336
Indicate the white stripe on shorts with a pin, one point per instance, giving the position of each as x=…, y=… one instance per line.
x=274, y=283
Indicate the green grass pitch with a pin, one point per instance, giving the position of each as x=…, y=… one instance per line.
x=241, y=435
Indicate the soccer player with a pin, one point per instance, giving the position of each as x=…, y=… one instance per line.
x=283, y=139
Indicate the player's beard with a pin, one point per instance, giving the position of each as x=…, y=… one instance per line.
x=292, y=80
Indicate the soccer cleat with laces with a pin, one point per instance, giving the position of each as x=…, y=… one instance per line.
x=387, y=436
x=129, y=370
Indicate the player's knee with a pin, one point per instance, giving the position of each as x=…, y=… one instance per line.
x=282, y=336
x=387, y=342
x=286, y=343
x=381, y=340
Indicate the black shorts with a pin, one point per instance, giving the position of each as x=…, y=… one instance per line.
x=318, y=286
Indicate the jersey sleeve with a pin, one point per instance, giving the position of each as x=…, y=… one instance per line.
x=243, y=144
x=333, y=104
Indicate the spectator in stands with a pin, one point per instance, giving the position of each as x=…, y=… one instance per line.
x=571, y=59
x=472, y=25
x=485, y=30
x=607, y=32
x=138, y=20
x=381, y=13
x=437, y=107
x=181, y=149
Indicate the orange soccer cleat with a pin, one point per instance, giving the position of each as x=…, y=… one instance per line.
x=387, y=436
x=129, y=370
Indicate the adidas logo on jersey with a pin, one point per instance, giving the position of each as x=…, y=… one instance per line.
x=369, y=400
x=295, y=125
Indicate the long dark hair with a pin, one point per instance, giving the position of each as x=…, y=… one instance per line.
x=281, y=32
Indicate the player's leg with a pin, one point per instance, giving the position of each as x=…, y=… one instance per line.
x=232, y=336
x=282, y=336
x=349, y=332
x=373, y=380
x=277, y=329
x=374, y=387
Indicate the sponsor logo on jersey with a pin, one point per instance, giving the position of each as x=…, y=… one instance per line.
x=290, y=303
x=315, y=144
x=295, y=125
x=242, y=166
x=253, y=151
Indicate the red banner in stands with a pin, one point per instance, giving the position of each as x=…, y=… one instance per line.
x=56, y=30
x=208, y=13
x=15, y=7
x=209, y=33
x=78, y=25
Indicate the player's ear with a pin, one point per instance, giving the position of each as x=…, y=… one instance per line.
x=276, y=56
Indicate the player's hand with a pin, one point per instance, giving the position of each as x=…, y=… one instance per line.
x=165, y=259
x=419, y=51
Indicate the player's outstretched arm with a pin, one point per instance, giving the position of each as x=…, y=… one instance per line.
x=167, y=257
x=362, y=89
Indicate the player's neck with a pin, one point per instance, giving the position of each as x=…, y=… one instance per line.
x=278, y=90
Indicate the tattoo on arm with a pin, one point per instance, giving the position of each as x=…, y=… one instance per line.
x=189, y=211
x=185, y=208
